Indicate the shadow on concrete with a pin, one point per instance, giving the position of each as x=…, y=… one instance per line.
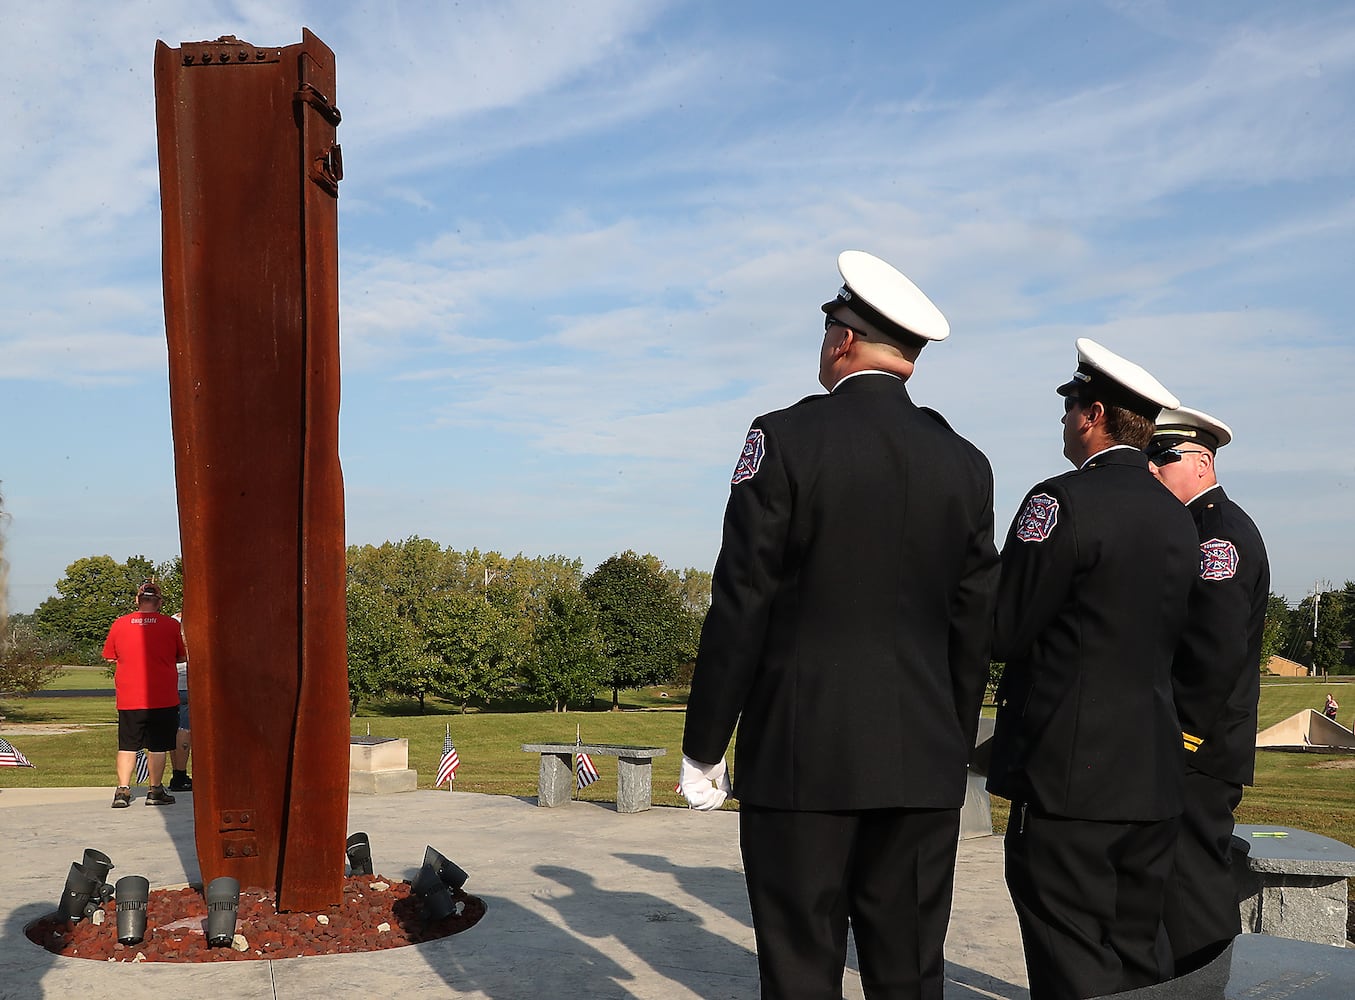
x=721, y=888
x=644, y=925
x=542, y=954
x=26, y=963
x=963, y=983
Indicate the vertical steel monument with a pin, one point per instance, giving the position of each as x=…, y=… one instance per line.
x=249, y=182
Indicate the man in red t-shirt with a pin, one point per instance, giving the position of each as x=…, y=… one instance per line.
x=145, y=645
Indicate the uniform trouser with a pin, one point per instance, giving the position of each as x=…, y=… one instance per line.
x=1201, y=913
x=1089, y=898
x=889, y=871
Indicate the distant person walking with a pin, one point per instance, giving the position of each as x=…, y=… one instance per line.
x=145, y=646
x=1216, y=680
x=848, y=639
x=1331, y=708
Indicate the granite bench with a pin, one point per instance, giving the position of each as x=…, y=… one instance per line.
x=1292, y=883
x=555, y=786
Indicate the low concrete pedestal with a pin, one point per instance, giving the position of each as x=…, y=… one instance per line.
x=378, y=765
x=1292, y=883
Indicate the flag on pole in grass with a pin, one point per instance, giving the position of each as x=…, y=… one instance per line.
x=587, y=771
x=449, y=763
x=10, y=756
x=143, y=768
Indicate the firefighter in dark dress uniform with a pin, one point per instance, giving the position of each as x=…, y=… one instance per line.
x=1217, y=681
x=1096, y=575
x=848, y=637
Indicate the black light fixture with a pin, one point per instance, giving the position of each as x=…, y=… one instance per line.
x=449, y=872
x=429, y=887
x=132, y=893
x=223, y=905
x=81, y=896
x=360, y=854
x=97, y=864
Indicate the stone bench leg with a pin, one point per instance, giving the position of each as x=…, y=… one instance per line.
x=1302, y=907
x=555, y=786
x=633, y=777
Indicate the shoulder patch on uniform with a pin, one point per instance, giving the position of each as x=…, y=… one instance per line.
x=1038, y=518
x=750, y=460
x=1218, y=559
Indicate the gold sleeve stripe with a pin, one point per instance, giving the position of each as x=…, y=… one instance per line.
x=1191, y=743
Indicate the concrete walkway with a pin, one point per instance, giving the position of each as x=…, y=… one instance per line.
x=582, y=902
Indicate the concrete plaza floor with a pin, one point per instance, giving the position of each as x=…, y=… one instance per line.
x=582, y=902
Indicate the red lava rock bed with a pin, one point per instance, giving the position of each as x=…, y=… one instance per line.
x=176, y=920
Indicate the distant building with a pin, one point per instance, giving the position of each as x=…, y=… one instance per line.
x=1278, y=666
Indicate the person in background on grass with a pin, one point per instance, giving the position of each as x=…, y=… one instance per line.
x=1330, y=710
x=145, y=646
x=1216, y=679
x=848, y=638
x=180, y=781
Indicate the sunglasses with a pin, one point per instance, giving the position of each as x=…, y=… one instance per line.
x=831, y=321
x=1169, y=455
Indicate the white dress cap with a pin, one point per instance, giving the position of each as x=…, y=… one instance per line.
x=1185, y=424
x=1102, y=374
x=880, y=297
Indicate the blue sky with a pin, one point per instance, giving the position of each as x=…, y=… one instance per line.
x=582, y=245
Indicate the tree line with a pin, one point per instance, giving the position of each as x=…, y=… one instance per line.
x=479, y=627
x=427, y=621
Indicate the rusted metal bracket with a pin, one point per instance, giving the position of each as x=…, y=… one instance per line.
x=226, y=51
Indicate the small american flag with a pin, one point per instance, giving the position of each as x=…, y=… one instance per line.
x=588, y=772
x=143, y=768
x=10, y=757
x=449, y=763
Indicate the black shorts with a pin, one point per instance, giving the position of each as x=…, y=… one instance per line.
x=153, y=729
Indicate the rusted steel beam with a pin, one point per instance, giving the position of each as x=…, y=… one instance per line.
x=249, y=174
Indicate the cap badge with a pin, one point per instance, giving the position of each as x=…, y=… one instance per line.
x=1218, y=559
x=1038, y=518
x=750, y=460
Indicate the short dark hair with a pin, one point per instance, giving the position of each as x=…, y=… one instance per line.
x=1127, y=427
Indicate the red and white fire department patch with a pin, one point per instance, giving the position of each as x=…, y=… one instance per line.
x=751, y=459
x=1037, y=520
x=1218, y=559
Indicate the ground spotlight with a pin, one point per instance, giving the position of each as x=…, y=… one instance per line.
x=437, y=901
x=81, y=896
x=360, y=854
x=132, y=893
x=451, y=874
x=97, y=864
x=223, y=904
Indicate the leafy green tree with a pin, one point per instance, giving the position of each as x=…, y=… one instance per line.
x=1278, y=629
x=381, y=645
x=94, y=591
x=27, y=662
x=646, y=632
x=565, y=662
x=473, y=648
x=406, y=574
x=1324, y=648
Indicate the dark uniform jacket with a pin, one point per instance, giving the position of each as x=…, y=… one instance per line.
x=1096, y=574
x=1217, y=673
x=851, y=607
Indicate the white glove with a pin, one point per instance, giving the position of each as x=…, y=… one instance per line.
x=704, y=786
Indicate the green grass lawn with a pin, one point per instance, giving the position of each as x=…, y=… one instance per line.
x=1312, y=791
